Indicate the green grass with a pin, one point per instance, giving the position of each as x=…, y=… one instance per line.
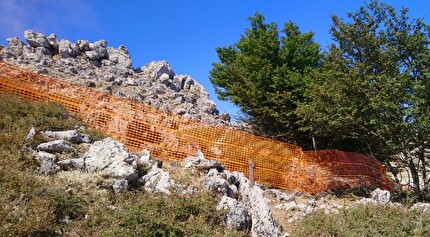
x=362, y=220
x=36, y=205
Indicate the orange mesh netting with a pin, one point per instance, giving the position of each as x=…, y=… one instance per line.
x=172, y=137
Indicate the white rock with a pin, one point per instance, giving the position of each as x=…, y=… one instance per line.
x=109, y=155
x=70, y=135
x=120, y=56
x=55, y=146
x=381, y=196
x=421, y=206
x=16, y=46
x=263, y=223
x=119, y=186
x=201, y=163
x=144, y=162
x=237, y=217
x=280, y=196
x=36, y=39
x=156, y=68
x=31, y=133
x=218, y=185
x=156, y=181
x=66, y=49
x=69, y=164
x=47, y=162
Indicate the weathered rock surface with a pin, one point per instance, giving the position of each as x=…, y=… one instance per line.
x=110, y=70
x=421, y=206
x=47, y=162
x=119, y=186
x=55, y=146
x=263, y=223
x=216, y=183
x=235, y=184
x=109, y=156
x=156, y=181
x=202, y=164
x=237, y=217
x=378, y=196
x=36, y=39
x=72, y=136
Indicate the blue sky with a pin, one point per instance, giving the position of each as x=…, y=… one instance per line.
x=185, y=33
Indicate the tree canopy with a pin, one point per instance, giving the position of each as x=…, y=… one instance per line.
x=368, y=92
x=266, y=74
x=371, y=93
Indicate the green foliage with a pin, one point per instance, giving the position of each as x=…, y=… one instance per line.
x=372, y=89
x=266, y=75
x=365, y=220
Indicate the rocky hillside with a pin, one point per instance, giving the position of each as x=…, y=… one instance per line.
x=248, y=209
x=110, y=70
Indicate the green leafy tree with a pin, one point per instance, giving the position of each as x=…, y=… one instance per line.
x=266, y=74
x=372, y=94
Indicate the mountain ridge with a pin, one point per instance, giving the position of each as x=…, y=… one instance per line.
x=108, y=69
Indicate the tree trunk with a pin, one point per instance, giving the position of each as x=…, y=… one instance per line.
x=414, y=173
x=422, y=159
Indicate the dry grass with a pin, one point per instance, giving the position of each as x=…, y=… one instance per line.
x=35, y=205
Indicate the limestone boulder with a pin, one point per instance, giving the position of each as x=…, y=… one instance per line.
x=110, y=156
x=36, y=39
x=237, y=216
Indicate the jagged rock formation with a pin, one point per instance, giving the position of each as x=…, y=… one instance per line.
x=110, y=70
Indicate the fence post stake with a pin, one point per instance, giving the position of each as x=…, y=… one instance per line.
x=251, y=172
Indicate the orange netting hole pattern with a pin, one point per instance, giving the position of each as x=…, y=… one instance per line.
x=171, y=137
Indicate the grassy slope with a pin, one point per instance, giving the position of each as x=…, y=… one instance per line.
x=364, y=220
x=35, y=205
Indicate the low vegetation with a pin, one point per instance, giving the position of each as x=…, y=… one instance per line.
x=36, y=205
x=366, y=220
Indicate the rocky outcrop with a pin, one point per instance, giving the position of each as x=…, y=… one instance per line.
x=245, y=208
x=236, y=186
x=263, y=222
x=237, y=216
x=110, y=70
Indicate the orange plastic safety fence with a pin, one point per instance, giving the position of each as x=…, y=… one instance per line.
x=172, y=137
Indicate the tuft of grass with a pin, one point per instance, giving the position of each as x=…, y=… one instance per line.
x=365, y=220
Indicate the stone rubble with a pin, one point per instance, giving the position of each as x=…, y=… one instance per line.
x=110, y=70
x=223, y=183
